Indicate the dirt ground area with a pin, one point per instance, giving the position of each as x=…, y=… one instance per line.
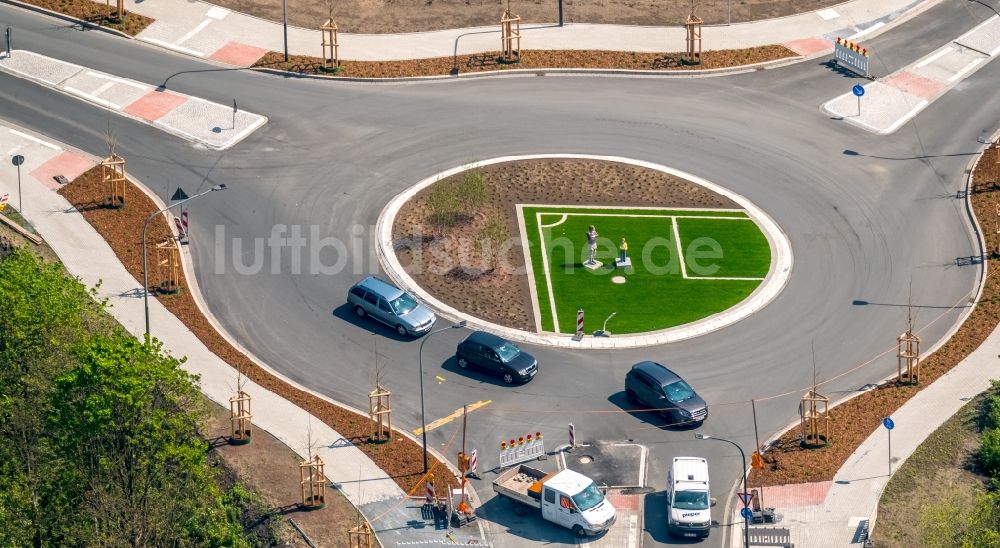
x=391, y=16
x=530, y=59
x=853, y=421
x=939, y=466
x=10, y=237
x=450, y=268
x=96, y=13
x=271, y=469
x=401, y=458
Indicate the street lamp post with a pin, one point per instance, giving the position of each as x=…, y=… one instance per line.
x=420, y=360
x=145, y=271
x=746, y=522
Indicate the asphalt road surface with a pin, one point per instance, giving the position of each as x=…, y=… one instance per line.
x=866, y=216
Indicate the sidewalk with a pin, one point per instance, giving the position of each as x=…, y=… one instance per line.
x=203, y=30
x=843, y=511
x=86, y=255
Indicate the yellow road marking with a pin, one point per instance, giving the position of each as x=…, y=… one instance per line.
x=457, y=414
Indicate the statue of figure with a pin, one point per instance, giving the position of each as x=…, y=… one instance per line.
x=623, y=251
x=592, y=244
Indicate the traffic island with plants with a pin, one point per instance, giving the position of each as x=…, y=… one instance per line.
x=463, y=240
x=530, y=59
x=401, y=459
x=851, y=422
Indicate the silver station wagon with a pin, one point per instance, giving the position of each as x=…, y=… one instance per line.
x=382, y=301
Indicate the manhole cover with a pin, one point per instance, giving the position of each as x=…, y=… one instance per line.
x=586, y=459
x=618, y=279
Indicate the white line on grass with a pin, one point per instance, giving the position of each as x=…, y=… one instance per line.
x=545, y=269
x=561, y=220
x=526, y=250
x=680, y=252
x=642, y=216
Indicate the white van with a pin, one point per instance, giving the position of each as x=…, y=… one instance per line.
x=689, y=501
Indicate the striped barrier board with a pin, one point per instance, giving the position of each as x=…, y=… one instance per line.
x=521, y=450
x=852, y=56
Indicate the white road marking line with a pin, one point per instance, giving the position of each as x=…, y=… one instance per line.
x=828, y=14
x=913, y=112
x=174, y=47
x=217, y=12
x=861, y=33
x=103, y=87
x=680, y=252
x=261, y=120
x=995, y=51
x=93, y=98
x=934, y=57
x=545, y=269
x=964, y=71
x=36, y=140
x=14, y=150
x=633, y=530
x=125, y=81
x=201, y=26
x=977, y=27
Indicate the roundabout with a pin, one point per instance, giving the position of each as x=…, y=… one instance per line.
x=702, y=258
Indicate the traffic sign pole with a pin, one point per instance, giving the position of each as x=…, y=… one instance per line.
x=858, y=90
x=889, y=425
x=17, y=160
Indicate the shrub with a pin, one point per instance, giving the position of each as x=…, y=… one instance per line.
x=492, y=240
x=472, y=192
x=443, y=203
x=988, y=454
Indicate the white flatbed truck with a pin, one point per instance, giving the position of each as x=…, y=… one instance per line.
x=566, y=498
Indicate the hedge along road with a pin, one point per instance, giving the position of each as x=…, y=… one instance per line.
x=862, y=226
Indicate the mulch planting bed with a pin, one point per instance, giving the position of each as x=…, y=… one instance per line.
x=853, y=421
x=385, y=16
x=401, y=458
x=530, y=59
x=434, y=260
x=96, y=13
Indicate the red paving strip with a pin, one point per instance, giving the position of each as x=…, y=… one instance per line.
x=240, y=55
x=795, y=495
x=67, y=164
x=925, y=88
x=809, y=46
x=155, y=105
x=624, y=502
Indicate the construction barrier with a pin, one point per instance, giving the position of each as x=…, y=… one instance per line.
x=473, y=464
x=851, y=55
x=579, y=322
x=430, y=489
x=572, y=436
x=522, y=449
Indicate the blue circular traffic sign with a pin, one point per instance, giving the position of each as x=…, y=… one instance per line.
x=17, y=160
x=858, y=90
x=888, y=424
x=746, y=513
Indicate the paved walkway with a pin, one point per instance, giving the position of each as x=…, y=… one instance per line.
x=217, y=126
x=893, y=100
x=201, y=29
x=86, y=255
x=842, y=512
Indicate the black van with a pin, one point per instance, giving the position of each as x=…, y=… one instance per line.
x=656, y=387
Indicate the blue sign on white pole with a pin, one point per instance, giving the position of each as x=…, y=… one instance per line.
x=858, y=90
x=888, y=424
x=746, y=513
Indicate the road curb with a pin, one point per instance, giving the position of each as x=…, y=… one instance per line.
x=70, y=18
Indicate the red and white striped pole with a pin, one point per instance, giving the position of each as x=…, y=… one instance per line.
x=472, y=463
x=430, y=489
x=572, y=436
x=579, y=322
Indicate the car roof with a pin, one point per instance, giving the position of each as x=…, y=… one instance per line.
x=380, y=287
x=569, y=481
x=485, y=339
x=658, y=372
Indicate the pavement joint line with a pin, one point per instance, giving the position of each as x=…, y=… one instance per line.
x=456, y=414
x=174, y=47
x=201, y=26
x=125, y=81
x=36, y=140
x=908, y=116
x=934, y=57
x=976, y=28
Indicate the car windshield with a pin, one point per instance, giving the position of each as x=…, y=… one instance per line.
x=691, y=500
x=678, y=391
x=508, y=351
x=588, y=498
x=403, y=304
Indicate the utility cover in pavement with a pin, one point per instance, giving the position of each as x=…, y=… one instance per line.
x=614, y=465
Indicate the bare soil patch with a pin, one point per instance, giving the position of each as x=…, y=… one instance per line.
x=389, y=16
x=401, y=458
x=95, y=13
x=853, y=421
x=449, y=266
x=530, y=59
x=271, y=469
x=10, y=238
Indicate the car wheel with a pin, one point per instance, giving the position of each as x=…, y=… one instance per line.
x=401, y=330
x=508, y=377
x=463, y=363
x=360, y=311
x=579, y=532
x=630, y=396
